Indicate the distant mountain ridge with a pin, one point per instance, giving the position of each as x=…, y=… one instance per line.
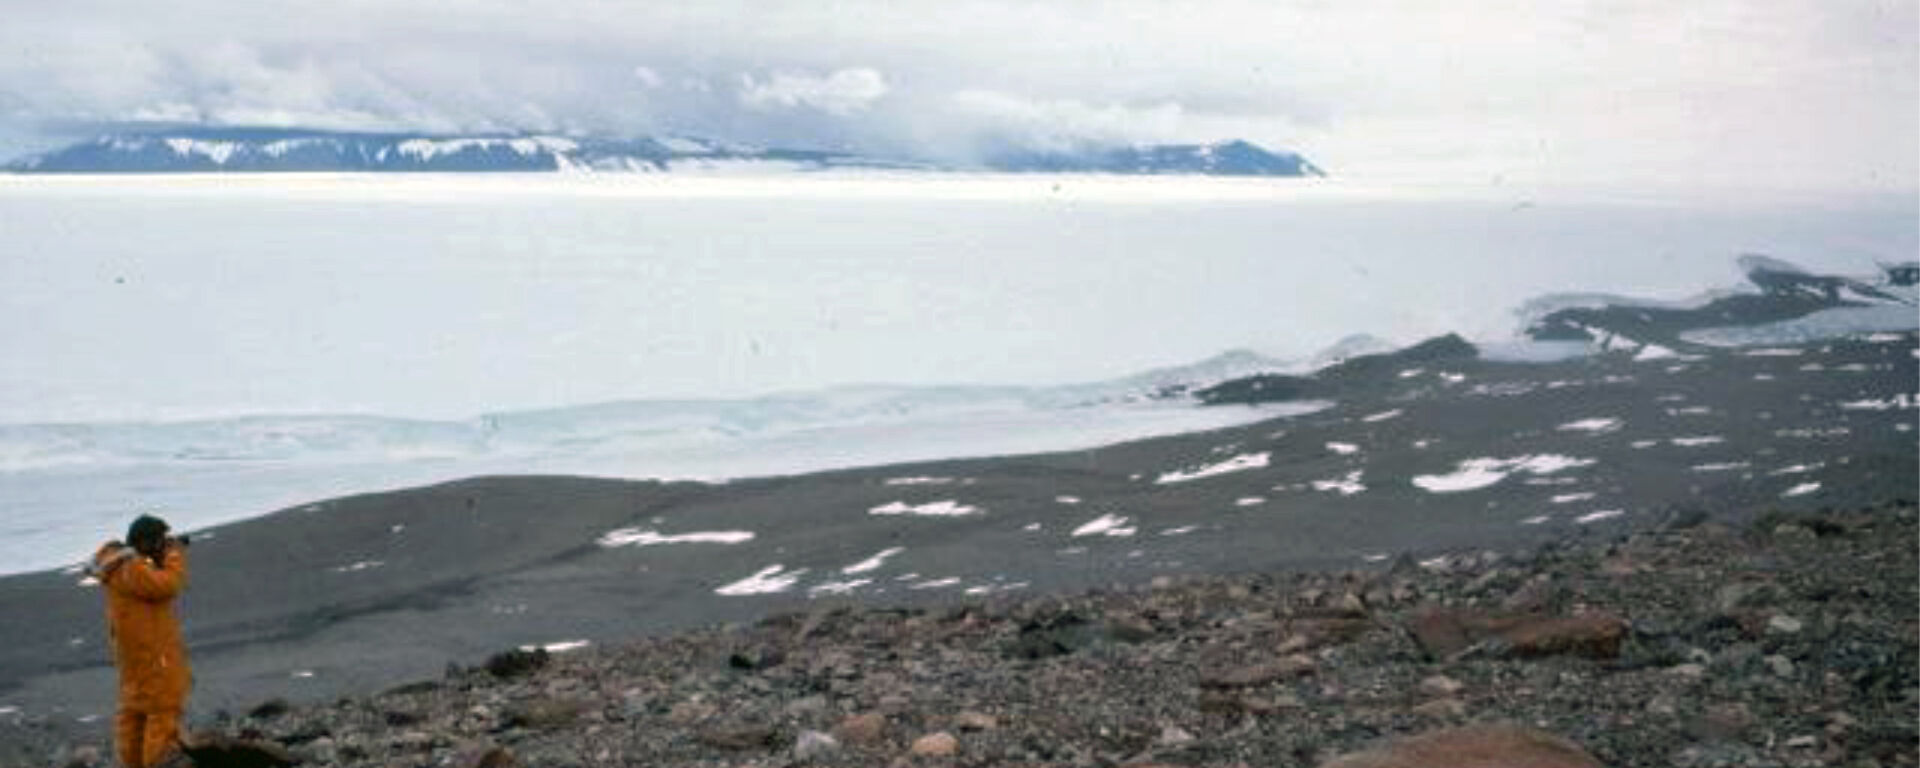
x=273, y=150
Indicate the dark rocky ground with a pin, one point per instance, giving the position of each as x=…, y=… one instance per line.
x=1790, y=641
x=1422, y=456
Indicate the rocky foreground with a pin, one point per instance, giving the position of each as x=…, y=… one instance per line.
x=1791, y=642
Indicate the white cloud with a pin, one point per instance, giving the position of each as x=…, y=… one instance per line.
x=843, y=92
x=1794, y=93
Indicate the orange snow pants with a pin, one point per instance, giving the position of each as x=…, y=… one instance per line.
x=143, y=739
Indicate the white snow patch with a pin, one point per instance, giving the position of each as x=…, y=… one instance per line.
x=936, y=583
x=1774, y=352
x=1569, y=498
x=1654, y=352
x=919, y=480
x=1800, y=490
x=562, y=646
x=1900, y=401
x=1536, y=520
x=769, y=580
x=1344, y=449
x=9, y=710
x=1412, y=372
x=1105, y=525
x=944, y=508
x=988, y=589
x=1238, y=463
x=1691, y=410
x=1594, y=425
x=1031, y=527
x=637, y=537
x=872, y=563
x=1723, y=466
x=1346, y=486
x=1883, y=338
x=1375, y=557
x=837, y=587
x=301, y=674
x=1453, y=378
x=1796, y=469
x=356, y=567
x=1180, y=531
x=1382, y=416
x=1067, y=499
x=1763, y=377
x=1249, y=501
x=1695, y=442
x=1593, y=517
x=1482, y=472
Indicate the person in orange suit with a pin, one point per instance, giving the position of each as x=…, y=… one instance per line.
x=141, y=579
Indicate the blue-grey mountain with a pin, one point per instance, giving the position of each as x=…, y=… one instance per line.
x=267, y=150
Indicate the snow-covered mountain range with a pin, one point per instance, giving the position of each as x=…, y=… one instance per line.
x=257, y=150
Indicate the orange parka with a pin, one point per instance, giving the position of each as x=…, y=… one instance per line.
x=154, y=676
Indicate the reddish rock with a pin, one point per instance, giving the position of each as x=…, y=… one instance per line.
x=865, y=729
x=940, y=744
x=1260, y=674
x=1483, y=746
x=1593, y=635
x=1445, y=633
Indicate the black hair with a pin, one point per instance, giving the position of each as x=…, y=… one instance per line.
x=146, y=528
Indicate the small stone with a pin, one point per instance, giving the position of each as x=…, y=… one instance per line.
x=1663, y=705
x=1783, y=624
x=1440, y=685
x=812, y=746
x=863, y=729
x=1173, y=736
x=940, y=744
x=485, y=757
x=736, y=737
x=1689, y=670
x=975, y=721
x=1442, y=709
x=1780, y=665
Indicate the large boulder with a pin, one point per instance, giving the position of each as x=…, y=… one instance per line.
x=1480, y=746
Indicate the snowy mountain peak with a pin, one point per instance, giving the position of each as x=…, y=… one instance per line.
x=266, y=150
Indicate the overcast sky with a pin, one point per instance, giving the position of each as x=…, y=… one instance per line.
x=1799, y=94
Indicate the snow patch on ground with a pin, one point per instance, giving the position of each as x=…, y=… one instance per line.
x=1382, y=416
x=1900, y=401
x=1594, y=517
x=1346, y=486
x=1249, y=501
x=1800, y=490
x=1105, y=525
x=837, y=587
x=772, y=579
x=562, y=646
x=1569, y=498
x=872, y=563
x=919, y=480
x=1595, y=425
x=1724, y=466
x=1344, y=449
x=356, y=567
x=1067, y=499
x=944, y=508
x=639, y=537
x=1180, y=531
x=1238, y=463
x=1479, y=473
x=1695, y=442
